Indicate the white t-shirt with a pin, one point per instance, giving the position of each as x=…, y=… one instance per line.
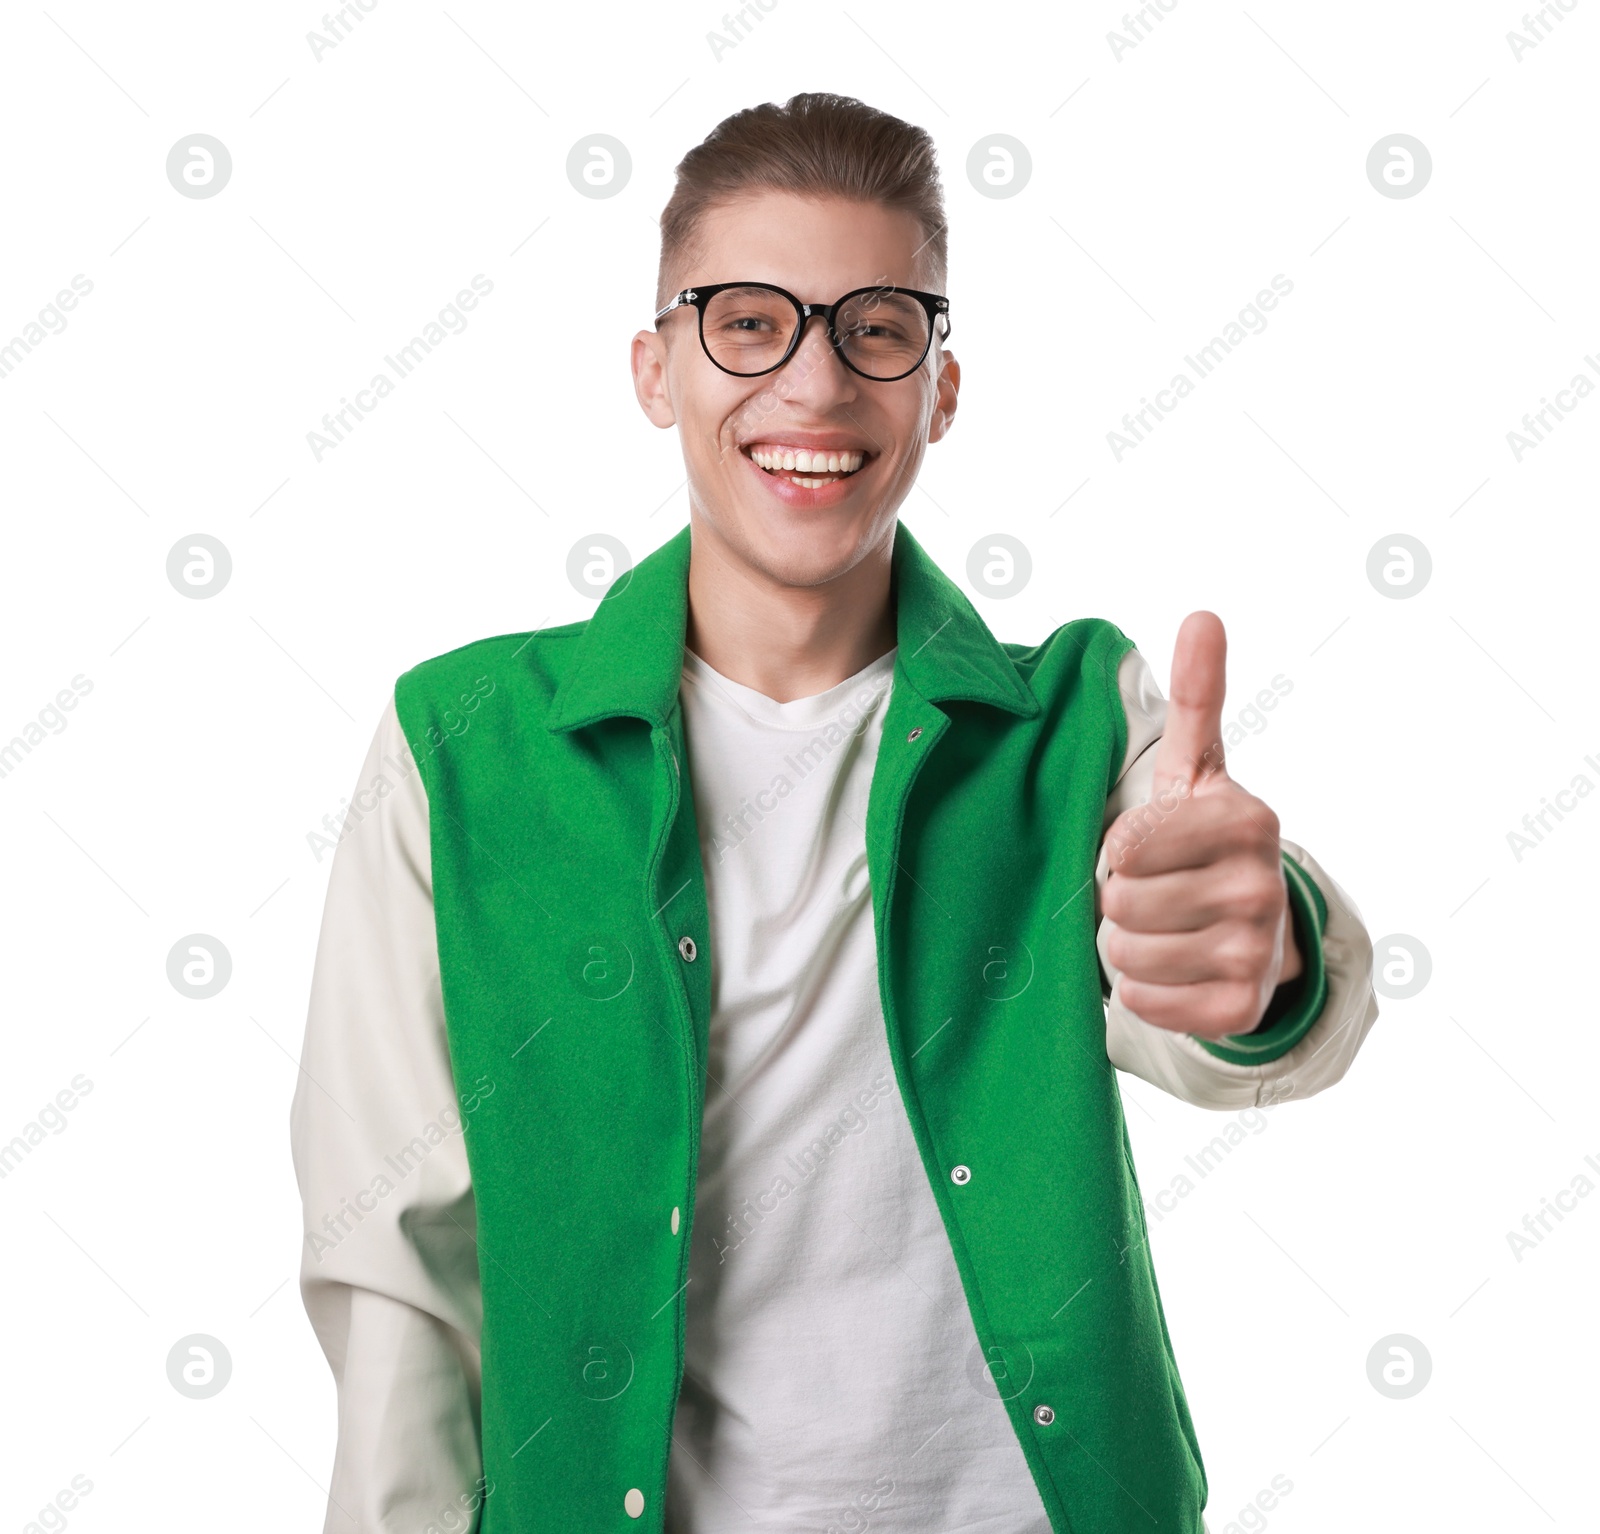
x=832, y=1378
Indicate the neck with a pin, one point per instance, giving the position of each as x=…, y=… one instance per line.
x=786, y=642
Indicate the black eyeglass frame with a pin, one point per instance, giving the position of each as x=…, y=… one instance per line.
x=935, y=304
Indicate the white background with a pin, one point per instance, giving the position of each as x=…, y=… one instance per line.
x=1168, y=186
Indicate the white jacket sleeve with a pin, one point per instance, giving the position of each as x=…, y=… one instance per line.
x=1178, y=1062
x=389, y=1269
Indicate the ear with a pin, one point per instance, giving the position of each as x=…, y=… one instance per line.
x=947, y=385
x=649, y=362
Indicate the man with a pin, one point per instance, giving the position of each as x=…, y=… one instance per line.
x=709, y=1117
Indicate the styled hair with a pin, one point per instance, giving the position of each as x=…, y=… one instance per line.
x=814, y=145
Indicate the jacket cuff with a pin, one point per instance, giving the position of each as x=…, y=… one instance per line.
x=1307, y=993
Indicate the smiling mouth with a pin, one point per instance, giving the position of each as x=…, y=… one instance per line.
x=810, y=468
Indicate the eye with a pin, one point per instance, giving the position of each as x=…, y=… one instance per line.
x=743, y=327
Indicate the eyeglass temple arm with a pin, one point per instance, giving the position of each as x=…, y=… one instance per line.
x=684, y=297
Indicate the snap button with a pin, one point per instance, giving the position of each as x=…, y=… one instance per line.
x=1043, y=1415
x=961, y=1174
x=686, y=948
x=913, y=735
x=674, y=1219
x=633, y=1503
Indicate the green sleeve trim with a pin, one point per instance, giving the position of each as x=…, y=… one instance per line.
x=1308, y=992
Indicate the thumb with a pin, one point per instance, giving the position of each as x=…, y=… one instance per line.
x=1190, y=747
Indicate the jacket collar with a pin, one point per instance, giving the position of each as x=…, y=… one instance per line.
x=630, y=655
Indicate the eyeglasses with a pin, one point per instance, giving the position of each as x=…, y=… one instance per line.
x=751, y=328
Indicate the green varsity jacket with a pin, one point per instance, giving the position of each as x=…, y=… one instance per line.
x=568, y=884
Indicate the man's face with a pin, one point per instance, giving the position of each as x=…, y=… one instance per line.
x=796, y=527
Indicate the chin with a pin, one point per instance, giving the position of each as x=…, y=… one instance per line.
x=803, y=551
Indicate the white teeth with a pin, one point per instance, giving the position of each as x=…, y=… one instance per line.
x=803, y=460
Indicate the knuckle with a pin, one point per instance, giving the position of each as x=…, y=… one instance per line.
x=1249, y=822
x=1117, y=947
x=1238, y=892
x=1264, y=898
x=1148, y=1001
x=1235, y=955
x=1129, y=832
x=1264, y=820
x=1233, y=1009
x=1245, y=892
x=1242, y=954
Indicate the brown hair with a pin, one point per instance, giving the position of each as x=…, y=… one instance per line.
x=814, y=145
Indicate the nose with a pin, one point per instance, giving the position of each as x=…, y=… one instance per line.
x=816, y=374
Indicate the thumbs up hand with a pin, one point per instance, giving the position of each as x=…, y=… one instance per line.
x=1196, y=899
